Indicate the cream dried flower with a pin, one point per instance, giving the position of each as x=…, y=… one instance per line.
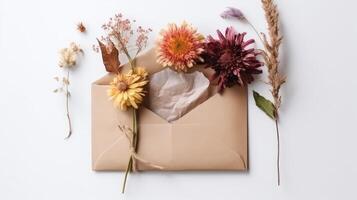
x=67, y=59
x=68, y=56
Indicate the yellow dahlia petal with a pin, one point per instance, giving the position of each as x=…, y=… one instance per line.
x=138, y=96
x=138, y=84
x=140, y=71
x=123, y=106
x=133, y=103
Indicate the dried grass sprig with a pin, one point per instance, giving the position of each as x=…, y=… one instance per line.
x=275, y=78
x=271, y=55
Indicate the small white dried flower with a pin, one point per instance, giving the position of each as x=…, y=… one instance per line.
x=67, y=59
x=68, y=56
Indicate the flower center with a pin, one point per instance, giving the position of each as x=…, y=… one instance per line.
x=122, y=86
x=179, y=45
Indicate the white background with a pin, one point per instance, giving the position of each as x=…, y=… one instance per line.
x=318, y=115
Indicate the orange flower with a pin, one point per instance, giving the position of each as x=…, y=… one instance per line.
x=179, y=47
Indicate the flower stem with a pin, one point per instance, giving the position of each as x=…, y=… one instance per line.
x=136, y=132
x=134, y=141
x=256, y=31
x=134, y=144
x=276, y=119
x=67, y=108
x=278, y=149
x=128, y=168
x=125, y=50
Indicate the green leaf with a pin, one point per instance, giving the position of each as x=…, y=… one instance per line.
x=264, y=104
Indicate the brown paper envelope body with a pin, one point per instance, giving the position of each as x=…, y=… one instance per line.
x=212, y=136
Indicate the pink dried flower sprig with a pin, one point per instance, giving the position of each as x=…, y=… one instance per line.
x=121, y=31
x=142, y=37
x=119, y=28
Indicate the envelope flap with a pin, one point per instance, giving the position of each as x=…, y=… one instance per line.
x=105, y=80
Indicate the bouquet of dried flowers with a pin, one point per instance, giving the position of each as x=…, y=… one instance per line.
x=271, y=57
x=126, y=90
x=232, y=58
x=67, y=60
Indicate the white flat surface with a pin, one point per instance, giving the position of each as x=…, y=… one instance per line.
x=318, y=114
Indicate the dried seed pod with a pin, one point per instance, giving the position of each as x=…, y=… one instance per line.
x=81, y=28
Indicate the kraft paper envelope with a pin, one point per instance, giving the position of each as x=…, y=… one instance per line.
x=212, y=136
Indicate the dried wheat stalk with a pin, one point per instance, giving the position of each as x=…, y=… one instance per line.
x=271, y=54
x=271, y=57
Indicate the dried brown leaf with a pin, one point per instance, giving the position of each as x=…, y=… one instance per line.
x=110, y=57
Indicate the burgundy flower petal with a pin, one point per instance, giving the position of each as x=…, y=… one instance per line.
x=221, y=36
x=247, y=43
x=230, y=34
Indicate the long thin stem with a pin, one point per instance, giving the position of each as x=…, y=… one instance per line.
x=256, y=31
x=125, y=50
x=278, y=149
x=276, y=120
x=67, y=108
x=128, y=168
x=135, y=125
x=134, y=142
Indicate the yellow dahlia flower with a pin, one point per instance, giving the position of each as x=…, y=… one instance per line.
x=127, y=90
x=179, y=47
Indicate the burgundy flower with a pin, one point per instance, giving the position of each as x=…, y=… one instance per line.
x=231, y=59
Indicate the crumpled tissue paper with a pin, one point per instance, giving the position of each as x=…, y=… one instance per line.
x=173, y=94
